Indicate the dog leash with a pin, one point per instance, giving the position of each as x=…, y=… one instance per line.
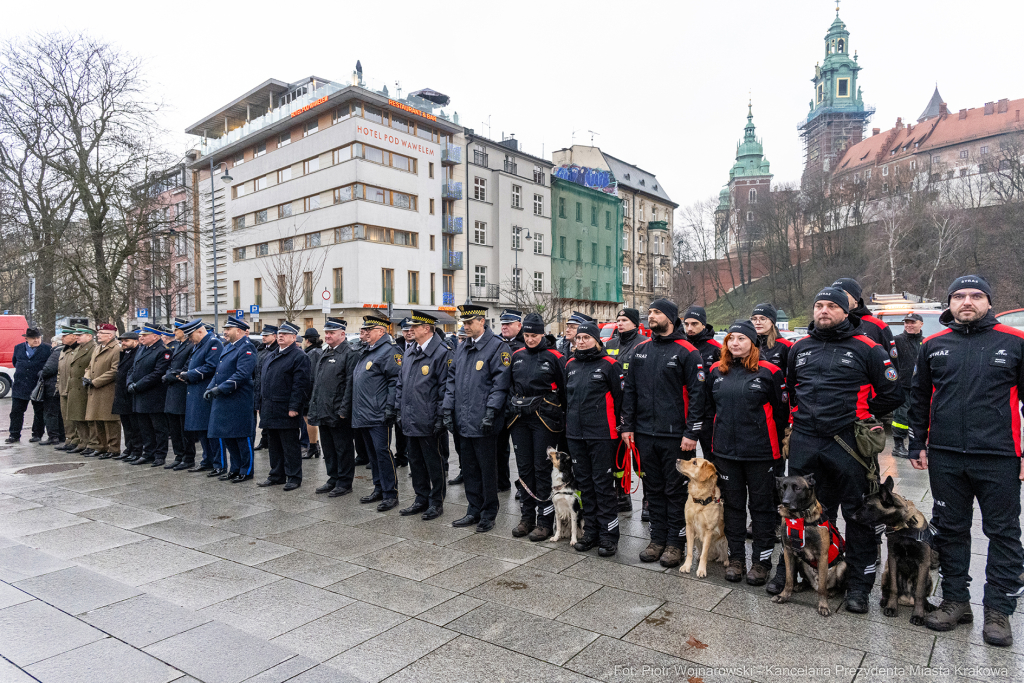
x=871, y=467
x=523, y=487
x=629, y=454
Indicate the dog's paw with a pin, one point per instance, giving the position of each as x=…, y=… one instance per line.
x=701, y=572
x=915, y=619
x=779, y=599
x=686, y=567
x=891, y=612
x=824, y=611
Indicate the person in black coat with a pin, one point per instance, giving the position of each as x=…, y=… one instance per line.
x=267, y=345
x=131, y=447
x=313, y=347
x=174, y=406
x=230, y=391
x=149, y=395
x=512, y=335
x=29, y=358
x=702, y=337
x=51, y=399
x=330, y=408
x=285, y=388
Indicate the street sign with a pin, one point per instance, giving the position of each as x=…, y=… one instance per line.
x=326, y=296
x=142, y=313
x=254, y=309
x=240, y=314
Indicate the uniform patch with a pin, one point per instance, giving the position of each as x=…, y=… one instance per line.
x=248, y=353
x=425, y=370
x=479, y=364
x=892, y=352
x=450, y=362
x=398, y=359
x=167, y=356
x=890, y=374
x=506, y=358
x=700, y=376
x=369, y=364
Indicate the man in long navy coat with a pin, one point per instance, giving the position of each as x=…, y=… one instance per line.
x=29, y=358
x=201, y=367
x=174, y=406
x=285, y=383
x=232, y=419
x=149, y=394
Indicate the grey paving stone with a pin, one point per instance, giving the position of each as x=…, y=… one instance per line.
x=615, y=661
x=81, y=539
x=9, y=595
x=392, y=592
x=68, y=501
x=412, y=560
x=973, y=660
x=213, y=510
x=670, y=586
x=544, y=639
x=470, y=573
x=246, y=550
x=123, y=516
x=507, y=549
x=346, y=514
x=32, y=631
x=610, y=611
x=556, y=562
x=379, y=657
x=34, y=520
x=152, y=498
x=877, y=669
x=316, y=570
x=12, y=674
x=186, y=534
x=144, y=562
x=143, y=620
x=531, y=590
x=450, y=610
x=19, y=562
x=285, y=671
x=10, y=504
x=275, y=498
x=276, y=608
x=338, y=631
x=206, y=585
x=105, y=661
x=215, y=653
x=436, y=531
x=335, y=540
x=77, y=589
x=264, y=524
x=469, y=659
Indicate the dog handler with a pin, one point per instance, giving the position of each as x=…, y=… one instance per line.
x=593, y=397
x=965, y=429
x=746, y=401
x=838, y=376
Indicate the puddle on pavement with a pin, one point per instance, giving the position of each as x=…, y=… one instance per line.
x=50, y=469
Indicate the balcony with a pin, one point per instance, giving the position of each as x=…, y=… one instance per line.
x=448, y=299
x=452, y=260
x=452, y=225
x=479, y=158
x=510, y=167
x=451, y=155
x=657, y=225
x=484, y=292
x=451, y=190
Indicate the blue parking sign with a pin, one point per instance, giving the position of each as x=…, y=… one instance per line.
x=254, y=309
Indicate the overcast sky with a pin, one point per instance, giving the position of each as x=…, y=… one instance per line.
x=664, y=85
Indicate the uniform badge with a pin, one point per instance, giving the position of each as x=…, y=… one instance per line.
x=890, y=374
x=506, y=358
x=425, y=370
x=450, y=362
x=167, y=356
x=398, y=359
x=479, y=365
x=369, y=364
x=700, y=376
x=892, y=352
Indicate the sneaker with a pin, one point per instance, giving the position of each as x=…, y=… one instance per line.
x=540, y=533
x=652, y=552
x=523, y=528
x=671, y=556
x=734, y=572
x=758, y=574
x=948, y=615
x=997, y=628
x=778, y=582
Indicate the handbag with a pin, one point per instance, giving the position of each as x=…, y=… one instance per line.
x=39, y=392
x=869, y=436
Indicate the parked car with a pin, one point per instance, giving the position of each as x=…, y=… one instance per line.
x=608, y=331
x=894, y=319
x=6, y=381
x=1012, y=318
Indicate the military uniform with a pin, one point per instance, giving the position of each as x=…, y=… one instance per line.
x=330, y=409
x=285, y=384
x=231, y=415
x=149, y=394
x=174, y=406
x=78, y=395
x=202, y=365
x=102, y=377
x=71, y=438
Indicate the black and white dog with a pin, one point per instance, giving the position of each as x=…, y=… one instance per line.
x=564, y=496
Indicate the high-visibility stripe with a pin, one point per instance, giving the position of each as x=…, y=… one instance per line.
x=1015, y=419
x=773, y=434
x=609, y=408
x=863, y=394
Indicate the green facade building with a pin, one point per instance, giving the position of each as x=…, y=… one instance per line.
x=586, y=249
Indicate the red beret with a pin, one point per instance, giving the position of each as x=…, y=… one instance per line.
x=107, y=327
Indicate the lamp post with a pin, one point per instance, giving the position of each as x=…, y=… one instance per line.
x=213, y=221
x=517, y=285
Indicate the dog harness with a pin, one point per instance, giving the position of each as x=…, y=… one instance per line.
x=795, y=533
x=925, y=535
x=705, y=501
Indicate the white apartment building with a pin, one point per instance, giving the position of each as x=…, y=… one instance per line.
x=334, y=192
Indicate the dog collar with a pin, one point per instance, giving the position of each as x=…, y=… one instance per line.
x=705, y=501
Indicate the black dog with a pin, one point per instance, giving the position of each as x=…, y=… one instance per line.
x=811, y=543
x=907, y=579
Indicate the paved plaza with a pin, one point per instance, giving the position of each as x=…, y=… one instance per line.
x=112, y=573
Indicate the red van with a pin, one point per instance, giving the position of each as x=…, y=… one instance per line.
x=12, y=327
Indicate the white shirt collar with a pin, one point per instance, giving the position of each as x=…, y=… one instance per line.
x=426, y=344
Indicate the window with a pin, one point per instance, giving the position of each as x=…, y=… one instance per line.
x=260, y=183
x=750, y=216
x=310, y=165
x=240, y=191
x=538, y=281
x=593, y=215
x=261, y=217
x=240, y=254
x=913, y=164
x=307, y=288
x=641, y=210
x=181, y=244
x=1004, y=164
x=821, y=92
x=236, y=293
x=607, y=255
x=287, y=244
x=561, y=207
x=263, y=249
x=579, y=250
x=370, y=153
x=480, y=189
x=239, y=222
x=640, y=244
x=431, y=206
x=593, y=252
x=480, y=275
x=480, y=233
x=625, y=207
x=387, y=284
x=239, y=159
x=257, y=291
x=426, y=133
x=752, y=196
x=984, y=149
x=842, y=87
x=431, y=168
x=284, y=139
x=402, y=200
x=517, y=238
x=579, y=212
x=538, y=175
x=538, y=243
x=625, y=275
x=538, y=205
x=261, y=149
x=398, y=123
x=312, y=240
x=284, y=174
x=517, y=279
x=339, y=287
x=414, y=287
x=432, y=297
x=282, y=289
x=654, y=211
x=431, y=243
x=310, y=127
x=342, y=113
x=579, y=289
x=607, y=220
x=284, y=210
x=561, y=246
x=561, y=286
x=885, y=170
x=517, y=197
x=867, y=174
x=310, y=203
x=641, y=280
x=625, y=241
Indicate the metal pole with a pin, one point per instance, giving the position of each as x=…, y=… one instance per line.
x=213, y=222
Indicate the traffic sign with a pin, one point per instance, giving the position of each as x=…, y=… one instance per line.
x=325, y=295
x=142, y=313
x=254, y=309
x=240, y=314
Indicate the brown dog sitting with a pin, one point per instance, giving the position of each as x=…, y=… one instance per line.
x=810, y=542
x=705, y=518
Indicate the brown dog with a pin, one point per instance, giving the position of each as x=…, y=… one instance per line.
x=705, y=518
x=810, y=542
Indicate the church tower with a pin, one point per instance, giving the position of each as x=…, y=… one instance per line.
x=750, y=179
x=837, y=113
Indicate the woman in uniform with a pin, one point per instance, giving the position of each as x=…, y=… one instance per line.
x=772, y=346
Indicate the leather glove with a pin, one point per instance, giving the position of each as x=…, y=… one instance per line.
x=390, y=416
x=86, y=382
x=166, y=379
x=448, y=420
x=487, y=424
x=131, y=388
x=438, y=425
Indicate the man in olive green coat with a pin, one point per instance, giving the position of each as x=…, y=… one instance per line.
x=69, y=346
x=78, y=394
x=100, y=381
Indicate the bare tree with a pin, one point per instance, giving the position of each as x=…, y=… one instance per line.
x=700, y=238
x=290, y=274
x=550, y=306
x=947, y=232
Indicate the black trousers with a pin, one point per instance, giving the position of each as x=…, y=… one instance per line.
x=285, y=455
x=956, y=480
x=531, y=440
x=502, y=454
x=479, y=476
x=362, y=456
x=749, y=483
x=153, y=434
x=705, y=439
x=593, y=465
x=339, y=453
x=401, y=443
x=901, y=419
x=428, y=469
x=240, y=451
x=664, y=487
x=18, y=408
x=182, y=444
x=382, y=462
x=132, y=442
x=52, y=418
x=839, y=480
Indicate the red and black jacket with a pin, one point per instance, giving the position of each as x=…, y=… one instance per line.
x=778, y=354
x=593, y=391
x=537, y=372
x=876, y=330
x=665, y=388
x=838, y=376
x=750, y=415
x=967, y=389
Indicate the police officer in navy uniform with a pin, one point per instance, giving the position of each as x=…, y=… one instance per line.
x=422, y=382
x=231, y=392
x=474, y=403
x=149, y=394
x=330, y=408
x=374, y=387
x=402, y=342
x=285, y=384
x=267, y=344
x=174, y=406
x=512, y=335
x=202, y=365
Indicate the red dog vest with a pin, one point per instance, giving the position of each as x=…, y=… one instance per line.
x=795, y=532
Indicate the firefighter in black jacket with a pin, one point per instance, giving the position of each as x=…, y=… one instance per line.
x=772, y=347
x=702, y=336
x=149, y=394
x=965, y=429
x=908, y=345
x=838, y=376
x=536, y=418
x=664, y=407
x=873, y=328
x=286, y=380
x=512, y=335
x=750, y=414
x=330, y=408
x=267, y=345
x=593, y=394
x=620, y=347
x=174, y=405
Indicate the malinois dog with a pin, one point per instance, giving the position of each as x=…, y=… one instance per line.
x=907, y=579
x=810, y=541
